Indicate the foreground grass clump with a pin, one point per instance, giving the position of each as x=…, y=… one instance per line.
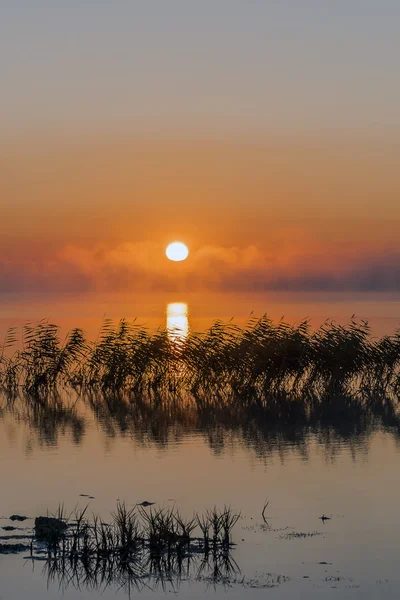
x=137, y=544
x=260, y=361
x=160, y=531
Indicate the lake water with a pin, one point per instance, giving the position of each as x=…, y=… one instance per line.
x=344, y=468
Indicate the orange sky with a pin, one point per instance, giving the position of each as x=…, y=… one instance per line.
x=97, y=214
x=265, y=135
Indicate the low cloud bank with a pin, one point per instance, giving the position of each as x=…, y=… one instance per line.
x=143, y=267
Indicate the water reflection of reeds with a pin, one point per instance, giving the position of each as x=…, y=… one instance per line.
x=264, y=429
x=50, y=418
x=153, y=573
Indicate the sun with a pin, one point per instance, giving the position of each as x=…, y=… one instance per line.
x=177, y=251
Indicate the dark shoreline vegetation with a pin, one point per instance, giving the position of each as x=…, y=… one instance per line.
x=267, y=386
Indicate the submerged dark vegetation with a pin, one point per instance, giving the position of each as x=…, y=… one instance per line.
x=262, y=363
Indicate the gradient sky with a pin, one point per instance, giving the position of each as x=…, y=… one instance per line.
x=265, y=134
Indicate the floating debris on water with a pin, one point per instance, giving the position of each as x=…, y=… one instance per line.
x=49, y=529
x=265, y=580
x=296, y=535
x=14, y=548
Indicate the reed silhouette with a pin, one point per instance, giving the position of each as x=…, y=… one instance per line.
x=263, y=362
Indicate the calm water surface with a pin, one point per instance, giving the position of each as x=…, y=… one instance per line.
x=347, y=470
x=348, y=474
x=153, y=311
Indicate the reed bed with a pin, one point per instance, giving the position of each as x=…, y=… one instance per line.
x=261, y=362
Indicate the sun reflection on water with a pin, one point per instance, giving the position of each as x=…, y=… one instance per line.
x=177, y=321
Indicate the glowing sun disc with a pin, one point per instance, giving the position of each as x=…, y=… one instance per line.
x=177, y=251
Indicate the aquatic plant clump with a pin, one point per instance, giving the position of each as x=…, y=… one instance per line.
x=261, y=361
x=136, y=548
x=157, y=530
x=137, y=544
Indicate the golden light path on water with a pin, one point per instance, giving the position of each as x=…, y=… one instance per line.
x=177, y=321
